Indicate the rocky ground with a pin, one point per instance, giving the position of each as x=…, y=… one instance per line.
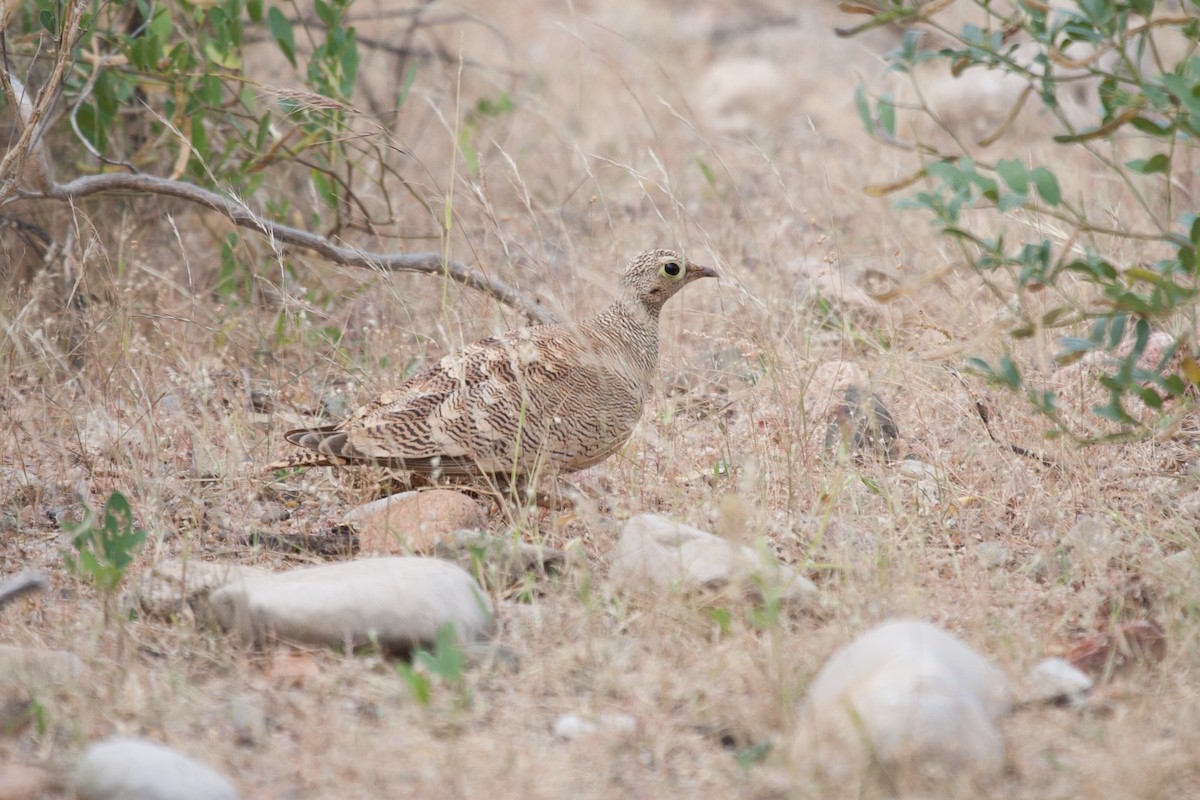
x=814, y=514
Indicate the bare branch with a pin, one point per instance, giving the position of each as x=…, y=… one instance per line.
x=239, y=214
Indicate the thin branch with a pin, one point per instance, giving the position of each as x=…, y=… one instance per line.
x=239, y=214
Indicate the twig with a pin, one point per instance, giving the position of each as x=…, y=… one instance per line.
x=985, y=416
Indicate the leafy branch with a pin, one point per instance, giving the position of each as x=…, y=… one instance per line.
x=1142, y=131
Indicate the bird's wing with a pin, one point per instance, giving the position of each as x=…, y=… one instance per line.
x=472, y=410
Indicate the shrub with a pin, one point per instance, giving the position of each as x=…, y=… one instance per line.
x=1053, y=260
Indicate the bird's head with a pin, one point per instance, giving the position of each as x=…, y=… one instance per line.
x=652, y=277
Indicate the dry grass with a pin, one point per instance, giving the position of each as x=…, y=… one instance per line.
x=601, y=158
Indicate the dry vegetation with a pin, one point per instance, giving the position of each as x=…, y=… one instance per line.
x=633, y=125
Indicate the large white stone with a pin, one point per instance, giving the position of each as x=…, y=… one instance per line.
x=656, y=552
x=1052, y=680
x=910, y=697
x=398, y=602
x=131, y=769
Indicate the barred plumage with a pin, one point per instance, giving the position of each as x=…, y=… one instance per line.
x=540, y=400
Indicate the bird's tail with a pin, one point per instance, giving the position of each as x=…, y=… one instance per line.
x=325, y=448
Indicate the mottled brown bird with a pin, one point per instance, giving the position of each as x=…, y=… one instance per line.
x=536, y=401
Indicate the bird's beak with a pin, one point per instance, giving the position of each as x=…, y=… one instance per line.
x=698, y=271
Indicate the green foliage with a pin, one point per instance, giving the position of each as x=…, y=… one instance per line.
x=1146, y=104
x=469, y=132
x=444, y=662
x=105, y=551
x=180, y=67
x=752, y=754
x=418, y=683
x=161, y=88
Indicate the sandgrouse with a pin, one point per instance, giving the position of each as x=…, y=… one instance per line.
x=536, y=401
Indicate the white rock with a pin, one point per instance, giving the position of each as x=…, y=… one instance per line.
x=130, y=769
x=1054, y=679
x=572, y=726
x=399, y=602
x=656, y=552
x=911, y=697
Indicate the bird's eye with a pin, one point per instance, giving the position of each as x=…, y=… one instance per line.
x=672, y=269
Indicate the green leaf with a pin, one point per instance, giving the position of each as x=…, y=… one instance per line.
x=864, y=109
x=1055, y=317
x=324, y=188
x=106, y=97
x=1012, y=171
x=409, y=77
x=1114, y=411
x=122, y=540
x=281, y=30
x=199, y=142
x=227, y=281
x=145, y=52
x=209, y=91
x=1071, y=349
x=1143, y=8
x=710, y=177
x=1009, y=201
x=1047, y=185
x=722, y=618
x=226, y=58
x=748, y=756
x=90, y=127
x=264, y=130
x=1008, y=373
x=1116, y=329
x=447, y=660
x=105, y=552
x=418, y=684
x=325, y=13
x=254, y=10
x=494, y=108
x=1149, y=166
x=887, y=115
x=349, y=64
x=1153, y=127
